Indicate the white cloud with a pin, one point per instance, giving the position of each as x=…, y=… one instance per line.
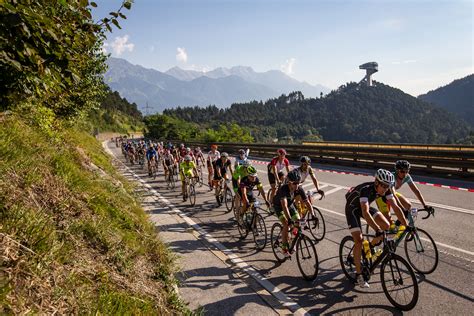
x=287, y=67
x=181, y=56
x=120, y=45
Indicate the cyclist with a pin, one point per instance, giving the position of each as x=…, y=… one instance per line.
x=275, y=168
x=246, y=190
x=187, y=168
x=199, y=156
x=151, y=158
x=242, y=157
x=240, y=172
x=220, y=172
x=212, y=157
x=284, y=205
x=305, y=170
x=168, y=162
x=402, y=176
x=358, y=201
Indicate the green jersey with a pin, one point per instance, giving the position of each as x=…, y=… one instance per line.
x=240, y=172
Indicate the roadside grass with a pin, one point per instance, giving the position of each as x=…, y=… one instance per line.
x=73, y=237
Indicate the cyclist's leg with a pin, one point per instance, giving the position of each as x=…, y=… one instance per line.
x=406, y=205
x=355, y=228
x=272, y=181
x=381, y=221
x=182, y=176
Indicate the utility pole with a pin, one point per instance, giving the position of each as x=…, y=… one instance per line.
x=146, y=109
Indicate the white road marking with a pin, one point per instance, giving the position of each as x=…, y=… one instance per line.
x=333, y=191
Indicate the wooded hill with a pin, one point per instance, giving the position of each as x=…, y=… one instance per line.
x=351, y=113
x=456, y=97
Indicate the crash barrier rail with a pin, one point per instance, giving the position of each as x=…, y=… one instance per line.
x=447, y=160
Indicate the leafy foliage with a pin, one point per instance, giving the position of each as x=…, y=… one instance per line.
x=167, y=127
x=51, y=55
x=350, y=113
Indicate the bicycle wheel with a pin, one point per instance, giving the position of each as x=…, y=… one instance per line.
x=192, y=194
x=228, y=199
x=421, y=251
x=346, y=257
x=316, y=224
x=172, y=182
x=307, y=258
x=399, y=282
x=200, y=177
x=241, y=225
x=259, y=231
x=276, y=242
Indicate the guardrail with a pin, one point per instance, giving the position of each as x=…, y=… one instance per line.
x=445, y=160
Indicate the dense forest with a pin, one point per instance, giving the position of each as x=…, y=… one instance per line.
x=353, y=112
x=456, y=97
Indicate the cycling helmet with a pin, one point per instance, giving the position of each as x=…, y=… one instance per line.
x=402, y=164
x=294, y=176
x=252, y=171
x=188, y=149
x=213, y=146
x=187, y=158
x=246, y=163
x=385, y=177
x=224, y=155
x=197, y=149
x=305, y=159
x=241, y=152
x=181, y=145
x=281, y=151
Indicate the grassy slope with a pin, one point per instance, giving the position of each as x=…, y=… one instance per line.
x=73, y=238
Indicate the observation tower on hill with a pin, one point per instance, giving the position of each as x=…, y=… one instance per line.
x=370, y=68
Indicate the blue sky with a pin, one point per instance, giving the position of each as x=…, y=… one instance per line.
x=419, y=45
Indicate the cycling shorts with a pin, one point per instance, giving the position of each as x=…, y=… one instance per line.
x=271, y=178
x=353, y=215
x=235, y=185
x=281, y=215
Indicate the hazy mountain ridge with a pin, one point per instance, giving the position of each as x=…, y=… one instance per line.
x=221, y=86
x=456, y=97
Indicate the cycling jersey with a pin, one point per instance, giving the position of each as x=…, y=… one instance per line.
x=213, y=156
x=187, y=167
x=249, y=185
x=362, y=193
x=280, y=165
x=150, y=153
x=285, y=193
x=304, y=174
x=182, y=152
x=408, y=179
x=239, y=173
x=168, y=159
x=222, y=166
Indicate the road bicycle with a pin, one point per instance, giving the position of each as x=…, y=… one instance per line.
x=153, y=168
x=420, y=248
x=225, y=194
x=306, y=255
x=200, y=175
x=314, y=220
x=254, y=222
x=190, y=189
x=397, y=276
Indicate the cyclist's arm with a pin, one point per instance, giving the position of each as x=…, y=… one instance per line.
x=262, y=193
x=284, y=206
x=315, y=181
x=275, y=172
x=244, y=195
x=417, y=192
x=368, y=218
x=398, y=211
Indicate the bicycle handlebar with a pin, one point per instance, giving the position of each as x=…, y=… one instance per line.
x=430, y=210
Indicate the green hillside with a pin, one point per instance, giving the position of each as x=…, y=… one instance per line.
x=351, y=113
x=456, y=97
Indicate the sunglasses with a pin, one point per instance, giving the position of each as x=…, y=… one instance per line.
x=403, y=171
x=383, y=185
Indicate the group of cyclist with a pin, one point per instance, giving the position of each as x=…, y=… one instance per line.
x=287, y=191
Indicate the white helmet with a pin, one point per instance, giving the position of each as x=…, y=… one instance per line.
x=187, y=158
x=385, y=176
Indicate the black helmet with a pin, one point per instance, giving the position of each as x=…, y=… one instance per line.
x=305, y=159
x=294, y=176
x=402, y=165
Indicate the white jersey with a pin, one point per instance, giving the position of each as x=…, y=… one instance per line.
x=213, y=156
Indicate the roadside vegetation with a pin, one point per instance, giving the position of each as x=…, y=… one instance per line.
x=73, y=237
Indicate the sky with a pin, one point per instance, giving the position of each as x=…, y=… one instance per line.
x=419, y=45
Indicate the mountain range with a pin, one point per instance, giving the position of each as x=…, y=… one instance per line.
x=221, y=86
x=456, y=97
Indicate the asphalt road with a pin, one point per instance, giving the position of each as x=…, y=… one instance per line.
x=448, y=290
